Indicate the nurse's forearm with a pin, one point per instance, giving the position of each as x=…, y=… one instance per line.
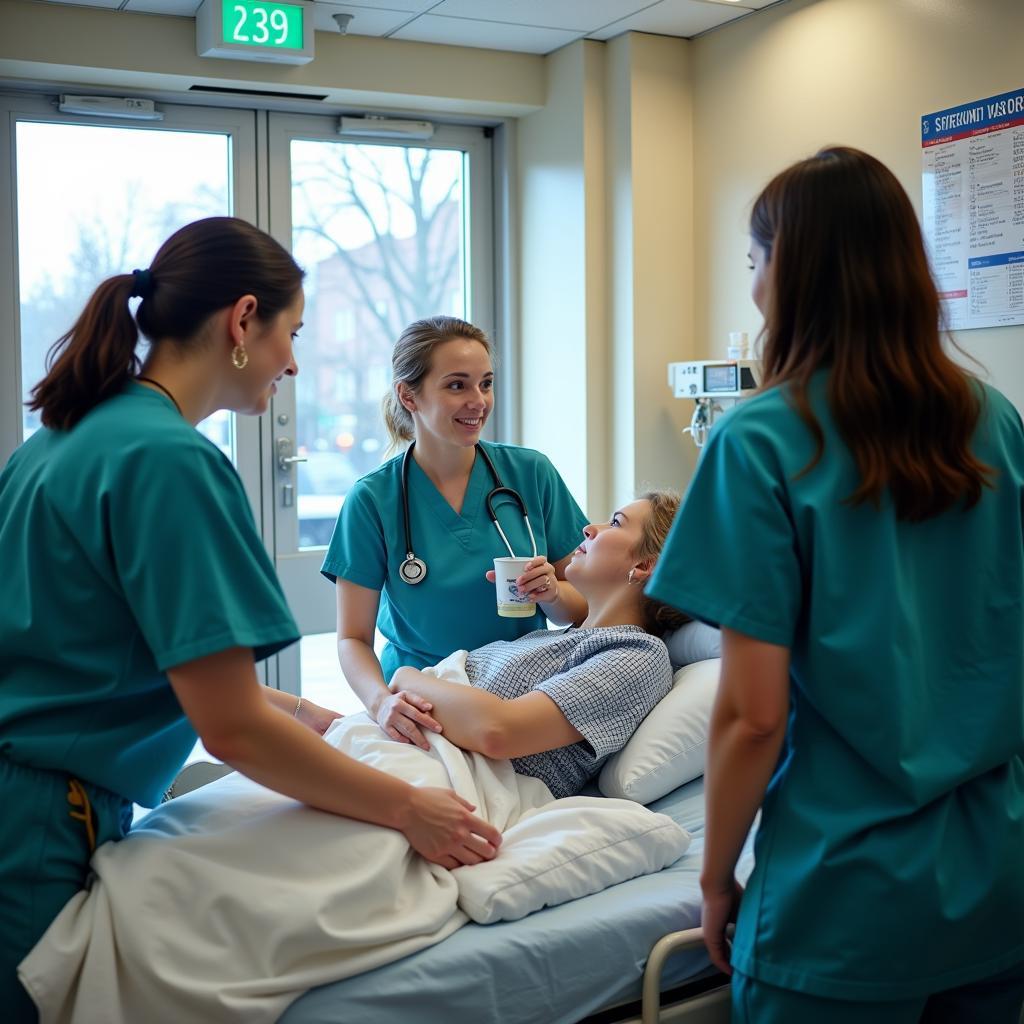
x=570, y=608
x=748, y=727
x=285, y=756
x=739, y=767
x=363, y=673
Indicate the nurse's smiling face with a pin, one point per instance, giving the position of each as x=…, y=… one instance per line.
x=455, y=398
x=607, y=552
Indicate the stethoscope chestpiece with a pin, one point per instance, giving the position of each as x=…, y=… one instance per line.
x=413, y=570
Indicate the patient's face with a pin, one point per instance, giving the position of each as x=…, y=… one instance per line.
x=606, y=553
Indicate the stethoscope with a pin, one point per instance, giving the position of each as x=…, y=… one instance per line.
x=414, y=570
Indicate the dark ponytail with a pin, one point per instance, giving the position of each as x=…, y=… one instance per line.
x=93, y=360
x=200, y=269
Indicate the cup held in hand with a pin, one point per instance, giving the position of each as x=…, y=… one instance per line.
x=512, y=604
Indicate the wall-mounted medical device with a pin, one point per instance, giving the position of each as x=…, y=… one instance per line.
x=716, y=385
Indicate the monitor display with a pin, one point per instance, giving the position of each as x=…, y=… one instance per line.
x=720, y=378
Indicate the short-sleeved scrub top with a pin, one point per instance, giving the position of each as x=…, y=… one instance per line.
x=455, y=607
x=128, y=547
x=890, y=859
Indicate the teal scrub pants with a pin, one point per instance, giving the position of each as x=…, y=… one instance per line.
x=995, y=1000
x=49, y=826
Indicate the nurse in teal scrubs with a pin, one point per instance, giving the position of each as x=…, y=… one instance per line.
x=137, y=592
x=441, y=398
x=856, y=530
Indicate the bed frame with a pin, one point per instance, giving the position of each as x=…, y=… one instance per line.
x=702, y=1001
x=710, y=1007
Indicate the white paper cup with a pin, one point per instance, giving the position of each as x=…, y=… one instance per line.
x=512, y=604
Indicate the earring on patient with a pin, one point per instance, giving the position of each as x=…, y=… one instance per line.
x=629, y=578
x=239, y=357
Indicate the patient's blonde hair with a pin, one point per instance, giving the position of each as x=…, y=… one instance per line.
x=410, y=363
x=658, y=618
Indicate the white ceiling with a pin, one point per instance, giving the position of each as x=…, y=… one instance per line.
x=528, y=26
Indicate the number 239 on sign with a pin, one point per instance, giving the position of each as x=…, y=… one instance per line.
x=259, y=30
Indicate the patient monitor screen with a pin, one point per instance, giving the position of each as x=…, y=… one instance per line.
x=720, y=378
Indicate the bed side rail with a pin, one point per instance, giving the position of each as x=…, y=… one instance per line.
x=674, y=942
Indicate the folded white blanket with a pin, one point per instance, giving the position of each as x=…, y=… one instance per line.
x=230, y=902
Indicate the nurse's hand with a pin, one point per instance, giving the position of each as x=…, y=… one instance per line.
x=404, y=716
x=316, y=717
x=717, y=913
x=538, y=581
x=441, y=827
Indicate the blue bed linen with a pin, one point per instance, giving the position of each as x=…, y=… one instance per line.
x=553, y=967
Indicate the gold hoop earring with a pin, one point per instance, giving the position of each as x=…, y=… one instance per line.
x=239, y=357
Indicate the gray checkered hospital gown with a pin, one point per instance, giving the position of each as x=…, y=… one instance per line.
x=604, y=680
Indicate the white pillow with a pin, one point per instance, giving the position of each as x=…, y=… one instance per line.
x=696, y=641
x=667, y=750
x=564, y=850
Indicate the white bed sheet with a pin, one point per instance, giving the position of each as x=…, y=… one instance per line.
x=554, y=967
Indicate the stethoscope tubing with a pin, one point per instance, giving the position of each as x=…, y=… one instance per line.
x=414, y=570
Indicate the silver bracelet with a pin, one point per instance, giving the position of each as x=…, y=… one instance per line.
x=298, y=708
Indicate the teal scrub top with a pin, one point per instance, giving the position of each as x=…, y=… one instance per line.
x=890, y=858
x=455, y=607
x=128, y=547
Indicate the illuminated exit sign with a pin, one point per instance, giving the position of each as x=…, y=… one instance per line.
x=256, y=30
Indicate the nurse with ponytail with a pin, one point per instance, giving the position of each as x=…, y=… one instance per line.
x=137, y=593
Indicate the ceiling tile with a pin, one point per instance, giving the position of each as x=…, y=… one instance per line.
x=675, y=18
x=580, y=15
x=366, y=21
x=86, y=3
x=416, y=6
x=490, y=35
x=183, y=7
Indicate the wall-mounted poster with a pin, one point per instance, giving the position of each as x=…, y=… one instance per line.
x=973, y=192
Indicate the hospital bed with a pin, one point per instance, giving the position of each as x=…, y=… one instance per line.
x=581, y=961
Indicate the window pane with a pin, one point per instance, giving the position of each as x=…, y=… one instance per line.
x=95, y=201
x=380, y=231
x=322, y=680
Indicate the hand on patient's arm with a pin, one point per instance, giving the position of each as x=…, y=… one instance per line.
x=229, y=710
x=404, y=717
x=748, y=727
x=475, y=719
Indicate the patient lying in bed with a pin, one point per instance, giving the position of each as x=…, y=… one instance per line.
x=559, y=703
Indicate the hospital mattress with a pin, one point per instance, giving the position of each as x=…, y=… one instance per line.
x=553, y=967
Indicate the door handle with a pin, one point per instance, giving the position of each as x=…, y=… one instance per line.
x=285, y=458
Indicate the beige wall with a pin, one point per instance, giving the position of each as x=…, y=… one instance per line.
x=559, y=274
x=773, y=88
x=606, y=266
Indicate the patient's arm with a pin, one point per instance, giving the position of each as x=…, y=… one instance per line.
x=477, y=720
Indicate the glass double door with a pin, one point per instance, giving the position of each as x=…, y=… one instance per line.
x=386, y=233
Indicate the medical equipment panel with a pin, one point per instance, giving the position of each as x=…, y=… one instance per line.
x=714, y=378
x=715, y=385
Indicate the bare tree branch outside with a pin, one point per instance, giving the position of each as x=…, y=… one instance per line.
x=380, y=232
